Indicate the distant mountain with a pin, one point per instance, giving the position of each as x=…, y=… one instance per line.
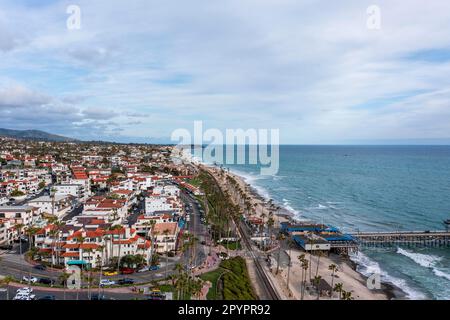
x=34, y=135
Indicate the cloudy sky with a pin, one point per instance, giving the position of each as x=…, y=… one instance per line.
x=137, y=70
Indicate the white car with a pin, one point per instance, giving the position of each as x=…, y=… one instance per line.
x=24, y=296
x=144, y=269
x=25, y=290
x=106, y=282
x=29, y=279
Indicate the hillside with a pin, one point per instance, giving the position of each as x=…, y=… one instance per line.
x=33, y=135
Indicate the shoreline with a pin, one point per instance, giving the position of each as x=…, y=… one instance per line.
x=388, y=291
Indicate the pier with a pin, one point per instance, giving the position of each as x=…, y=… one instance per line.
x=404, y=238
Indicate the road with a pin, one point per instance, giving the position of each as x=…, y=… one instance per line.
x=72, y=295
x=198, y=229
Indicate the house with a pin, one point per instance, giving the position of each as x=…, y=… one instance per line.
x=154, y=203
x=166, y=235
x=57, y=205
x=106, y=208
x=75, y=190
x=91, y=241
x=6, y=234
x=18, y=214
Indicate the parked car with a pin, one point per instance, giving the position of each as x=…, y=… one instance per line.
x=144, y=269
x=49, y=297
x=127, y=270
x=46, y=281
x=6, y=247
x=107, y=282
x=153, y=268
x=99, y=297
x=40, y=267
x=110, y=273
x=125, y=281
x=157, y=296
x=29, y=279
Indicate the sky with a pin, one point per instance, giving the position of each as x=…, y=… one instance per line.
x=138, y=70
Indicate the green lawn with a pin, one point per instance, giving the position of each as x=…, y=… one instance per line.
x=212, y=277
x=196, y=182
x=235, y=245
x=235, y=281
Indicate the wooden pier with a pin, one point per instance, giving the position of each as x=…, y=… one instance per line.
x=404, y=238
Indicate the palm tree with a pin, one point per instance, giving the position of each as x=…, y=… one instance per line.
x=5, y=282
x=317, y=283
x=289, y=265
x=281, y=237
x=63, y=278
x=89, y=280
x=305, y=266
x=333, y=268
x=19, y=227
x=338, y=288
x=319, y=254
x=100, y=248
x=346, y=295
x=165, y=233
x=118, y=228
x=301, y=258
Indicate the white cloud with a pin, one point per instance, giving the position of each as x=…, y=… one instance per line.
x=310, y=68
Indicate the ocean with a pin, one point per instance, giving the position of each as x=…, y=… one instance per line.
x=370, y=188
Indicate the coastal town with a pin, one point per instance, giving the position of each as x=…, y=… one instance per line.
x=101, y=221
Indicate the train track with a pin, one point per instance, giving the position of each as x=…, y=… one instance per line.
x=271, y=293
x=264, y=280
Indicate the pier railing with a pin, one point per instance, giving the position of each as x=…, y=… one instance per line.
x=406, y=238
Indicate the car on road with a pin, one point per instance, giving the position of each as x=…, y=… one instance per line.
x=153, y=268
x=125, y=281
x=40, y=267
x=29, y=279
x=27, y=290
x=126, y=270
x=49, y=297
x=6, y=247
x=110, y=273
x=107, y=282
x=24, y=296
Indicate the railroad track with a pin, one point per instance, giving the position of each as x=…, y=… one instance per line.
x=264, y=280
x=259, y=269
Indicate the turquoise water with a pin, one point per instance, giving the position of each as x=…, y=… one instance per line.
x=371, y=188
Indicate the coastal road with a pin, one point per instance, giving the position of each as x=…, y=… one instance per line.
x=72, y=295
x=263, y=280
x=198, y=229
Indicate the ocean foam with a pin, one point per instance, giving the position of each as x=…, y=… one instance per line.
x=426, y=261
x=368, y=267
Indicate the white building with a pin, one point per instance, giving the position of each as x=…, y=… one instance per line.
x=167, y=190
x=57, y=205
x=74, y=190
x=18, y=214
x=160, y=203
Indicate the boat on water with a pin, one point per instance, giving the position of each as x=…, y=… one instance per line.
x=447, y=222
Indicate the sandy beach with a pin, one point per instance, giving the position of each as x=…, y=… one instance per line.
x=352, y=281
